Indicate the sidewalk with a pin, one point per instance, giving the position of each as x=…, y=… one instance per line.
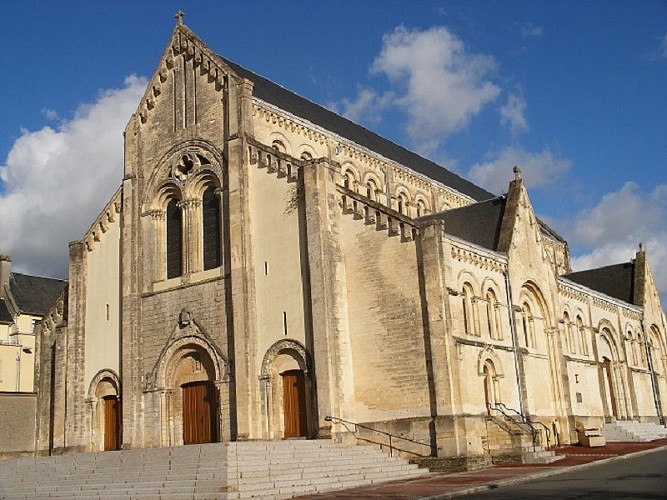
x=441, y=485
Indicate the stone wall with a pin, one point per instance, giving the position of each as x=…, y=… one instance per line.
x=17, y=432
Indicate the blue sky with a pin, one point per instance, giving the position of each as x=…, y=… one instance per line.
x=574, y=92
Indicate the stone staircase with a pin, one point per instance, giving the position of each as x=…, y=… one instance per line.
x=631, y=430
x=264, y=469
x=508, y=442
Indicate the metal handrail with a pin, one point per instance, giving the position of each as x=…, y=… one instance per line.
x=503, y=408
x=391, y=436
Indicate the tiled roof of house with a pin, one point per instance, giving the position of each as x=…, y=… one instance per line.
x=616, y=280
x=33, y=294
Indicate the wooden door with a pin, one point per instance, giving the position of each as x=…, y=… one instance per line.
x=111, y=433
x=199, y=423
x=487, y=394
x=607, y=368
x=294, y=403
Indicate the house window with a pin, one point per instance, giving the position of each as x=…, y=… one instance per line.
x=211, y=229
x=174, y=240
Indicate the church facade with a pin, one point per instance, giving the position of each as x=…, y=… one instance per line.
x=266, y=263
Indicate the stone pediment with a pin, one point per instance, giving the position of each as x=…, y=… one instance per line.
x=184, y=52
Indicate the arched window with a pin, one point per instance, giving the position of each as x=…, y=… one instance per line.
x=492, y=315
x=211, y=231
x=371, y=190
x=468, y=315
x=347, y=180
x=306, y=156
x=278, y=145
x=527, y=322
x=569, y=332
x=174, y=239
x=655, y=350
x=421, y=208
x=582, y=335
x=401, y=204
x=642, y=350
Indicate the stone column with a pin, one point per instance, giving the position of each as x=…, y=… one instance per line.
x=441, y=362
x=192, y=238
x=330, y=345
x=75, y=393
x=158, y=230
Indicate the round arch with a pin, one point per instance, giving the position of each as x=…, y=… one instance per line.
x=189, y=382
x=104, y=400
x=286, y=386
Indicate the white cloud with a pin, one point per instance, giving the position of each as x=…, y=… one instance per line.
x=537, y=169
x=367, y=107
x=56, y=180
x=513, y=114
x=530, y=30
x=436, y=82
x=611, y=231
x=624, y=215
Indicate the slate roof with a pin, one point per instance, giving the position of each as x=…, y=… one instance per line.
x=5, y=315
x=287, y=100
x=478, y=223
x=616, y=280
x=33, y=294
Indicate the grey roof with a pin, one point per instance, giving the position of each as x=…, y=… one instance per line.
x=34, y=294
x=5, y=315
x=617, y=280
x=287, y=100
x=478, y=223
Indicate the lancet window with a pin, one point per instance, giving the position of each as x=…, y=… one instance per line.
x=582, y=336
x=174, y=239
x=467, y=298
x=187, y=218
x=528, y=325
x=493, y=315
x=211, y=229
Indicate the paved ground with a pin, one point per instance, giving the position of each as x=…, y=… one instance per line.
x=440, y=486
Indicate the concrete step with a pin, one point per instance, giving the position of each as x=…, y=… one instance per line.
x=628, y=430
x=279, y=469
x=541, y=457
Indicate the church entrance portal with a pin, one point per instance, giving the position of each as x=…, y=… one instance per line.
x=294, y=403
x=609, y=378
x=199, y=404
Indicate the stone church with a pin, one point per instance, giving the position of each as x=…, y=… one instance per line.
x=266, y=264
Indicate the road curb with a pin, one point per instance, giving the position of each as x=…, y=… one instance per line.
x=492, y=485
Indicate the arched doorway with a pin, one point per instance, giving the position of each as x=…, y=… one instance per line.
x=609, y=385
x=192, y=398
x=105, y=411
x=490, y=382
x=611, y=389
x=286, y=391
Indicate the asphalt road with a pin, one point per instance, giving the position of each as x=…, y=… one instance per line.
x=643, y=477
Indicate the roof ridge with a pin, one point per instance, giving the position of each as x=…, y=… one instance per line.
x=356, y=133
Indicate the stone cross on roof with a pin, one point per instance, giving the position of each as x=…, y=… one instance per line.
x=179, y=16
